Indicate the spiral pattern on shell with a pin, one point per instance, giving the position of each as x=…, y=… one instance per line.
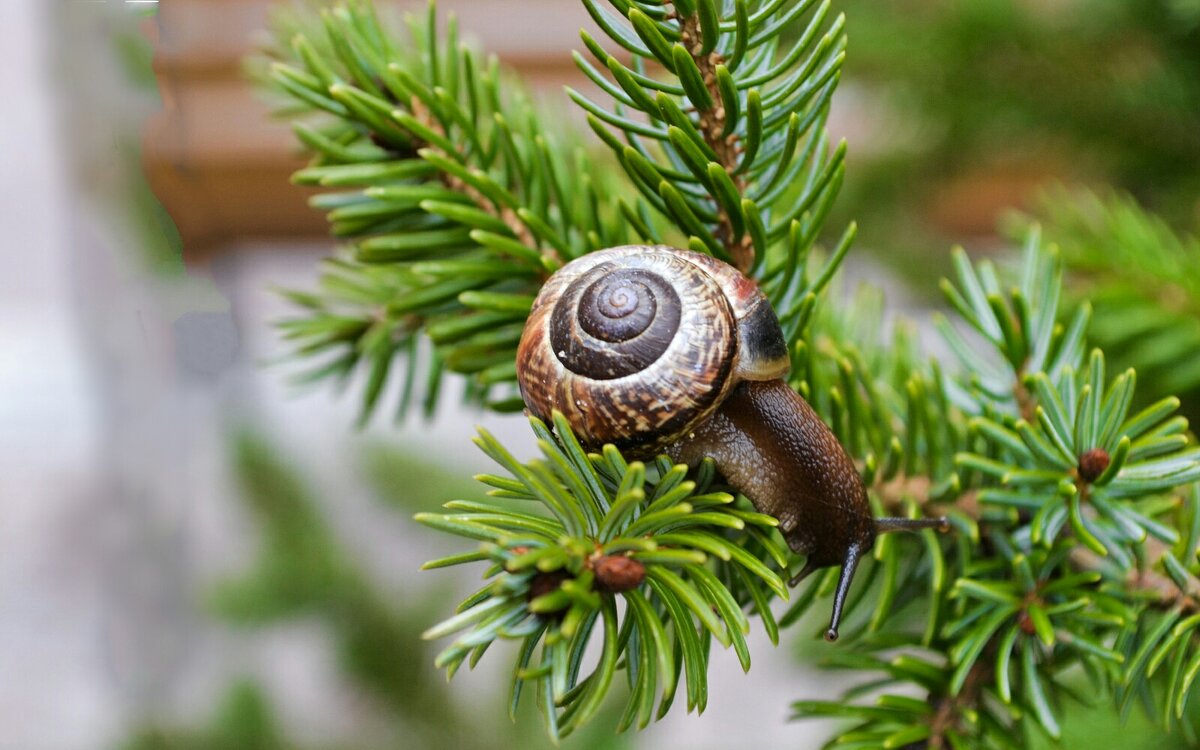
x=635, y=345
x=613, y=321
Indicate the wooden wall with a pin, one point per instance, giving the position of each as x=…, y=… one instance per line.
x=219, y=163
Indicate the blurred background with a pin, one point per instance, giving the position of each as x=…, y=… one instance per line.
x=196, y=554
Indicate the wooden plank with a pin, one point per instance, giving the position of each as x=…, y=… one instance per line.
x=212, y=37
x=221, y=165
x=217, y=206
x=221, y=121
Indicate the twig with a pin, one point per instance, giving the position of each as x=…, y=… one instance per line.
x=726, y=147
x=504, y=214
x=1147, y=579
x=946, y=716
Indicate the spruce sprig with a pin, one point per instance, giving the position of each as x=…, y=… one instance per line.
x=445, y=177
x=731, y=146
x=1081, y=546
x=454, y=199
x=577, y=532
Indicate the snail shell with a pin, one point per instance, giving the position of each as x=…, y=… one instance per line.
x=636, y=345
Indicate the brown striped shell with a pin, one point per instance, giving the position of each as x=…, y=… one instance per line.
x=636, y=345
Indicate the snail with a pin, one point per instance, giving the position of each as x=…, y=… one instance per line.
x=660, y=350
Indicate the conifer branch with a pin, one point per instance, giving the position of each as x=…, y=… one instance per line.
x=493, y=208
x=714, y=125
x=615, y=529
x=1073, y=548
x=454, y=198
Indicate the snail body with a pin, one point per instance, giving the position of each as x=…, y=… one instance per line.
x=660, y=350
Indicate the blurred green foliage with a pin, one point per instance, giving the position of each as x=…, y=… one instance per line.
x=983, y=99
x=1142, y=279
x=243, y=721
x=158, y=244
x=1093, y=724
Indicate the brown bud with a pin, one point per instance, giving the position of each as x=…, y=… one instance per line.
x=1025, y=623
x=617, y=573
x=546, y=583
x=1092, y=464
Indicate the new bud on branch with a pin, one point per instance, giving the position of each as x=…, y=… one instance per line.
x=617, y=573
